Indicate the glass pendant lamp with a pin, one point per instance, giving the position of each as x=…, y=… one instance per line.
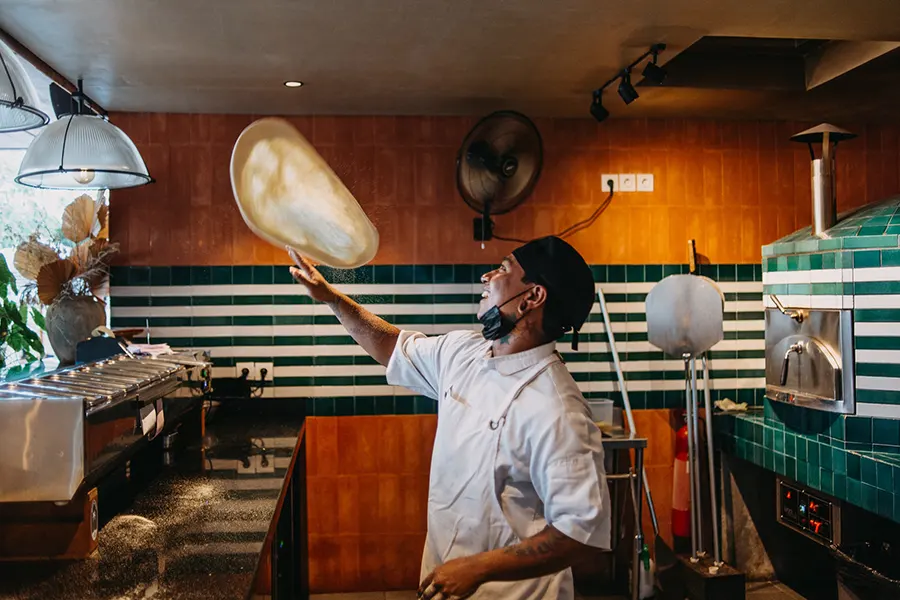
x=82, y=151
x=18, y=99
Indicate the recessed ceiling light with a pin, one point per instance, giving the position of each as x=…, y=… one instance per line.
x=293, y=84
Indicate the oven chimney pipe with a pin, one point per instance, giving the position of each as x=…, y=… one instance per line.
x=824, y=202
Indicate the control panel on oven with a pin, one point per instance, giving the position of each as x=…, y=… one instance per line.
x=808, y=512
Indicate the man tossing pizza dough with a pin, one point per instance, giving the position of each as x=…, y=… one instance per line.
x=517, y=487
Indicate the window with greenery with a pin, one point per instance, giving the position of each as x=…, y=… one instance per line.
x=24, y=211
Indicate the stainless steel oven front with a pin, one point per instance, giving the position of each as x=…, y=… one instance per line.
x=809, y=358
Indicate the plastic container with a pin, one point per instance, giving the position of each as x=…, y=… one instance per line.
x=601, y=410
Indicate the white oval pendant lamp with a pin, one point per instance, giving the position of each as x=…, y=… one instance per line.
x=82, y=151
x=18, y=99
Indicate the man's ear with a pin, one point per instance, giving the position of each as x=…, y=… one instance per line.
x=535, y=298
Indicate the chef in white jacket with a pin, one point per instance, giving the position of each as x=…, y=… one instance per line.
x=517, y=488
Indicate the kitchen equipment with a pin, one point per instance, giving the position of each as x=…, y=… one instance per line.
x=809, y=358
x=811, y=513
x=601, y=410
x=824, y=199
x=665, y=558
x=289, y=196
x=684, y=320
x=497, y=167
x=61, y=431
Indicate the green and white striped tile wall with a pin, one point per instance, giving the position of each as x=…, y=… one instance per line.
x=866, y=282
x=255, y=314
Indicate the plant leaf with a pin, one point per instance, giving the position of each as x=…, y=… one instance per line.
x=38, y=319
x=7, y=279
x=52, y=278
x=30, y=256
x=103, y=219
x=78, y=219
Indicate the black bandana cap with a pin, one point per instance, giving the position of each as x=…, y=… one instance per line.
x=556, y=265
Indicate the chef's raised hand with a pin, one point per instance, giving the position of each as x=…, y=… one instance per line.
x=455, y=579
x=309, y=276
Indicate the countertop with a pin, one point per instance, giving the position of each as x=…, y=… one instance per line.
x=192, y=529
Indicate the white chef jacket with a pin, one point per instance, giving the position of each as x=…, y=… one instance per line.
x=518, y=450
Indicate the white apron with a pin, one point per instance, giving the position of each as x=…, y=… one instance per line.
x=464, y=512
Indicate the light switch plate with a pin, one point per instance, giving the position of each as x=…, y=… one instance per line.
x=604, y=178
x=645, y=182
x=627, y=182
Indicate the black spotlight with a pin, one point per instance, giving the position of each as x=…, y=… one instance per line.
x=626, y=90
x=597, y=109
x=653, y=72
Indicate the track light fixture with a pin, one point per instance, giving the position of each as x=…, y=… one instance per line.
x=626, y=90
x=652, y=72
x=597, y=109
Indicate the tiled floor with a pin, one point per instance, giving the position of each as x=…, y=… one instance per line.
x=755, y=591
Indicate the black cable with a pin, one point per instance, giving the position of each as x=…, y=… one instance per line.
x=572, y=229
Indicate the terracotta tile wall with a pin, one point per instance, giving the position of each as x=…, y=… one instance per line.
x=367, y=484
x=733, y=186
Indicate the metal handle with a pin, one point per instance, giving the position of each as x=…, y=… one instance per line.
x=795, y=314
x=795, y=348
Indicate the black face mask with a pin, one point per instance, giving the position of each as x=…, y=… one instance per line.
x=496, y=324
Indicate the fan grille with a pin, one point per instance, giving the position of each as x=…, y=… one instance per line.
x=499, y=162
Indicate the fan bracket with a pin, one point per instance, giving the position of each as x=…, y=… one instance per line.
x=483, y=229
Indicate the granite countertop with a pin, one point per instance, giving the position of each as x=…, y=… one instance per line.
x=195, y=528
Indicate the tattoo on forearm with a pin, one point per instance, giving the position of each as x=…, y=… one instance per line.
x=542, y=544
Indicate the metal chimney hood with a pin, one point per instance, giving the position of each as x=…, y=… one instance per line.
x=824, y=203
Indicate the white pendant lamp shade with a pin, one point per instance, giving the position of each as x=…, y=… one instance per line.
x=82, y=152
x=18, y=100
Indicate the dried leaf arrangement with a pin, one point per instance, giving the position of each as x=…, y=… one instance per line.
x=64, y=271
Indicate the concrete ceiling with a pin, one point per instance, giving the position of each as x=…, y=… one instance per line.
x=421, y=56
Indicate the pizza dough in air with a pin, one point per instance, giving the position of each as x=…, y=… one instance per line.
x=288, y=195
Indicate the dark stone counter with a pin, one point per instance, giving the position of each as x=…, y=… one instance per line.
x=192, y=524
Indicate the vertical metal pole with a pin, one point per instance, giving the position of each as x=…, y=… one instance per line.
x=638, y=534
x=626, y=402
x=717, y=553
x=695, y=461
x=689, y=418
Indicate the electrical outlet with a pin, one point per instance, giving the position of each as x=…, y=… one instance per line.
x=257, y=371
x=251, y=369
x=605, y=178
x=627, y=182
x=249, y=468
x=265, y=463
x=645, y=182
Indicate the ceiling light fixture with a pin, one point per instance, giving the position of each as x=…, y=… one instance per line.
x=18, y=99
x=626, y=90
x=653, y=72
x=293, y=84
x=597, y=110
x=82, y=151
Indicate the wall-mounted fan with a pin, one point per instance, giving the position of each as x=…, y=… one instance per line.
x=498, y=166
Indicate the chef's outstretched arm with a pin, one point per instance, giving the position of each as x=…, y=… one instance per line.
x=543, y=554
x=376, y=336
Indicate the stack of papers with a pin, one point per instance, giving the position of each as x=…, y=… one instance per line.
x=150, y=349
